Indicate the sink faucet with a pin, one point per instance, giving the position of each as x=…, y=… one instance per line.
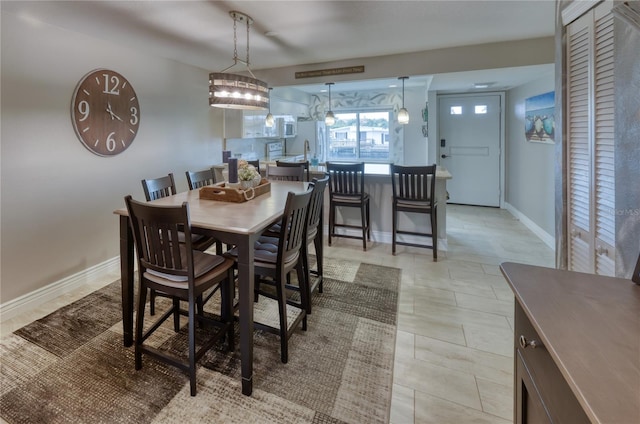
x=306, y=149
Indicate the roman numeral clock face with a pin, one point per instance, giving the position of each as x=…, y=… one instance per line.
x=105, y=112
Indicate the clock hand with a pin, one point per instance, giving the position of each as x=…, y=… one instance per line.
x=113, y=115
x=108, y=109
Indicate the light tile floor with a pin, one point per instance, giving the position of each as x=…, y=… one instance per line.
x=454, y=359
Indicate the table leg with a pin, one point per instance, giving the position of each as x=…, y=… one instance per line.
x=126, y=278
x=245, y=288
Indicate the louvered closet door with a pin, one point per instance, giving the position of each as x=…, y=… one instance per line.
x=590, y=142
x=579, y=48
x=604, y=174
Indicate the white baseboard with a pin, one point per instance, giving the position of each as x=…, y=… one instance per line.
x=547, y=238
x=32, y=300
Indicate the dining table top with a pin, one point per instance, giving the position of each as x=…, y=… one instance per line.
x=240, y=218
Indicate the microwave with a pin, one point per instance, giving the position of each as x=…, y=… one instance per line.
x=286, y=128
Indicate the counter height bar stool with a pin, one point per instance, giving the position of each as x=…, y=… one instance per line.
x=274, y=259
x=176, y=269
x=305, y=165
x=255, y=163
x=282, y=173
x=157, y=188
x=414, y=192
x=346, y=189
x=314, y=228
x=199, y=179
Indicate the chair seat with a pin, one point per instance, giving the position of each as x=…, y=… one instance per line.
x=413, y=204
x=350, y=199
x=265, y=251
x=275, y=228
x=204, y=265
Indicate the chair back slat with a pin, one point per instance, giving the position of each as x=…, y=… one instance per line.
x=316, y=202
x=198, y=179
x=294, y=226
x=157, y=188
x=346, y=179
x=156, y=232
x=414, y=183
x=282, y=173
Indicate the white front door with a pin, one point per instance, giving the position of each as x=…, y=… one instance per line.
x=469, y=135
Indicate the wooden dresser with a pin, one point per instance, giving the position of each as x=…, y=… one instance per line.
x=577, y=346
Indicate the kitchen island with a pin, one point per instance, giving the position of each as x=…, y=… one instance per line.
x=378, y=184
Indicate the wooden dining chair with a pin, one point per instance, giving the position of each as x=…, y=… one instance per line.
x=181, y=272
x=346, y=189
x=281, y=173
x=314, y=229
x=314, y=232
x=198, y=179
x=414, y=192
x=157, y=188
x=305, y=165
x=255, y=163
x=274, y=259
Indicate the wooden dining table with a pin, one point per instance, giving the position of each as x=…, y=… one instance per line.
x=239, y=224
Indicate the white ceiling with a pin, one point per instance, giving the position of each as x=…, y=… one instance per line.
x=285, y=33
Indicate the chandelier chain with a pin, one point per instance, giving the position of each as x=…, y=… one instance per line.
x=235, y=42
x=247, y=42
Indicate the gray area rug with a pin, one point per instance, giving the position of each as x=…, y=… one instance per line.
x=71, y=366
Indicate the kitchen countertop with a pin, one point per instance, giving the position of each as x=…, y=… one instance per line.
x=441, y=173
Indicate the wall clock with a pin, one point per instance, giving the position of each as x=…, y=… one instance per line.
x=105, y=112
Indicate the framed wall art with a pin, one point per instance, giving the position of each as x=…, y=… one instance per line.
x=539, y=118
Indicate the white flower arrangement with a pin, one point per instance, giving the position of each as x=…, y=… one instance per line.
x=246, y=172
x=248, y=175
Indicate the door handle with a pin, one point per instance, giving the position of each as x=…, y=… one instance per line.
x=444, y=156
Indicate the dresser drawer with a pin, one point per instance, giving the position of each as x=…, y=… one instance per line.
x=558, y=399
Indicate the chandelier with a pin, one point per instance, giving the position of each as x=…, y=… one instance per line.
x=233, y=91
x=403, y=114
x=329, y=118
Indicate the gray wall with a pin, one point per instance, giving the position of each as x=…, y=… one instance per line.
x=529, y=166
x=57, y=197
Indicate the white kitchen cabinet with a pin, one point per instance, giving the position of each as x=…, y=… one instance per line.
x=247, y=124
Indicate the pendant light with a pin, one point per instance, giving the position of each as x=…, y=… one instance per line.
x=329, y=118
x=403, y=114
x=233, y=91
x=269, y=120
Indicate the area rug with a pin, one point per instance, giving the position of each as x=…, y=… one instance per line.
x=71, y=366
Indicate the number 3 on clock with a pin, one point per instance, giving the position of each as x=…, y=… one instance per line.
x=105, y=112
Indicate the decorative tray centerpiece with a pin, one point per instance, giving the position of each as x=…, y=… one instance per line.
x=226, y=193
